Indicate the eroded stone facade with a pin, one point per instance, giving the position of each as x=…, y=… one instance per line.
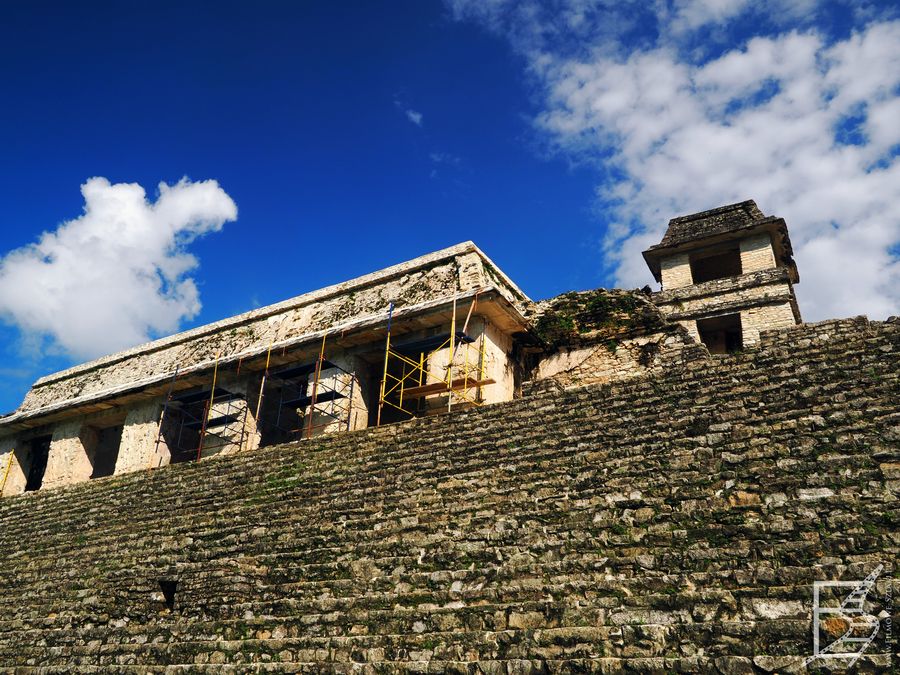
x=144, y=387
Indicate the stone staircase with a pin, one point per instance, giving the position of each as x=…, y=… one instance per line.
x=665, y=524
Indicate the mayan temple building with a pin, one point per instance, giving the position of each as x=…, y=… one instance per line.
x=424, y=470
x=727, y=275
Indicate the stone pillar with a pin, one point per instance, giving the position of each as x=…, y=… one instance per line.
x=756, y=253
x=359, y=404
x=18, y=467
x=676, y=272
x=70, y=455
x=241, y=433
x=467, y=359
x=352, y=408
x=138, y=447
x=497, y=364
x=691, y=327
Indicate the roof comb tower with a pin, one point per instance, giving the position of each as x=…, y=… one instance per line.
x=726, y=274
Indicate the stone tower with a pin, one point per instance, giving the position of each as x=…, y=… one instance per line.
x=726, y=275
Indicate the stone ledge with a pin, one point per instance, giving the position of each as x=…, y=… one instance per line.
x=775, y=275
x=731, y=307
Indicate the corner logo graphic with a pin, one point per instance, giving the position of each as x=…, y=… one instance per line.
x=850, y=628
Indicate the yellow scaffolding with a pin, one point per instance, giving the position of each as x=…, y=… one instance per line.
x=12, y=455
x=194, y=410
x=415, y=381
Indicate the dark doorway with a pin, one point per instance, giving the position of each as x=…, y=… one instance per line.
x=107, y=451
x=38, y=453
x=722, y=334
x=168, y=588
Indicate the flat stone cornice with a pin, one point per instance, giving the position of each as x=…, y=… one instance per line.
x=11, y=423
x=731, y=307
x=775, y=275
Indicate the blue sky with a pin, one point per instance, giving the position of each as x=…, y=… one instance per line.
x=559, y=136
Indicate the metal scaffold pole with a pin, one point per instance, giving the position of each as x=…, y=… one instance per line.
x=262, y=385
x=12, y=455
x=315, y=389
x=387, y=352
x=209, y=405
x=452, y=357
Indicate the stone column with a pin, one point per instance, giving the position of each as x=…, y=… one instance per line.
x=497, y=364
x=139, y=433
x=70, y=455
x=241, y=433
x=756, y=253
x=351, y=407
x=765, y=317
x=17, y=475
x=691, y=327
x=676, y=271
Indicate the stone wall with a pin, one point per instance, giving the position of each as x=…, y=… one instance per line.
x=603, y=336
x=13, y=463
x=757, y=253
x=70, y=454
x=676, y=271
x=765, y=317
x=139, y=448
x=672, y=523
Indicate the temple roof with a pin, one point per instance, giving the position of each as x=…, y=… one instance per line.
x=714, y=221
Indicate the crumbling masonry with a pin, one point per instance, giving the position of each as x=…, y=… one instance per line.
x=628, y=482
x=461, y=334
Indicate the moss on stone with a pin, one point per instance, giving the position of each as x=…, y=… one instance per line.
x=595, y=317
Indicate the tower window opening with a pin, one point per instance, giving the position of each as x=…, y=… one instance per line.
x=721, y=334
x=716, y=265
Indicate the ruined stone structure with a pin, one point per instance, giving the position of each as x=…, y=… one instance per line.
x=317, y=364
x=249, y=380
x=629, y=502
x=726, y=275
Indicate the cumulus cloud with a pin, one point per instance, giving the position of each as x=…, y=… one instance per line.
x=805, y=123
x=117, y=275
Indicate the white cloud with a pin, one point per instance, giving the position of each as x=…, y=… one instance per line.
x=691, y=14
x=118, y=274
x=686, y=16
x=414, y=116
x=680, y=134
